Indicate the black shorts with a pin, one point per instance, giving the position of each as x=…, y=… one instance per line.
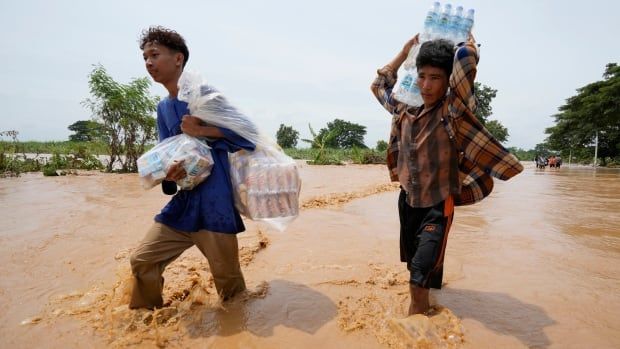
x=423, y=237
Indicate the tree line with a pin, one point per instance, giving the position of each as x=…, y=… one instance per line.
x=341, y=134
x=122, y=122
x=592, y=115
x=124, y=125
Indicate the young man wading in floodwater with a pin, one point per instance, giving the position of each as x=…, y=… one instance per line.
x=204, y=216
x=439, y=153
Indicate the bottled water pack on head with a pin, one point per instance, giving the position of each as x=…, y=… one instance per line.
x=438, y=24
x=450, y=24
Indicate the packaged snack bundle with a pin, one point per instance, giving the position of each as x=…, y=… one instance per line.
x=266, y=181
x=195, y=155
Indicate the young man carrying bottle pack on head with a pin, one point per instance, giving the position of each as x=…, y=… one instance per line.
x=439, y=153
x=204, y=216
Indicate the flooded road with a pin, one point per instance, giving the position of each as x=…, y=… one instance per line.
x=542, y=259
x=535, y=265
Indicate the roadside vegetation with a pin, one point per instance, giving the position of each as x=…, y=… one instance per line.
x=122, y=127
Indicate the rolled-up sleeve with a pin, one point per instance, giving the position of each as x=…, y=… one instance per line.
x=462, y=79
x=382, y=88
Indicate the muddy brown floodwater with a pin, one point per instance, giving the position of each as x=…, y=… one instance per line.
x=535, y=265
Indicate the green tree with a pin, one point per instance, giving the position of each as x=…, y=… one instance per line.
x=484, y=96
x=346, y=135
x=381, y=145
x=542, y=149
x=594, y=110
x=126, y=112
x=9, y=163
x=287, y=136
x=522, y=154
x=86, y=131
x=497, y=130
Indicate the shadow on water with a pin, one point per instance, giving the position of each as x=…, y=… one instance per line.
x=500, y=313
x=287, y=304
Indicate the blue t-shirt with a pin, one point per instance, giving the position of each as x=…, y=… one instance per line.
x=210, y=205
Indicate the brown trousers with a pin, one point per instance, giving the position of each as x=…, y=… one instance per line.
x=163, y=244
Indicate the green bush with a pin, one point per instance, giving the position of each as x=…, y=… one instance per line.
x=331, y=156
x=49, y=170
x=90, y=162
x=367, y=156
x=9, y=166
x=61, y=147
x=82, y=160
x=30, y=165
x=315, y=156
x=381, y=145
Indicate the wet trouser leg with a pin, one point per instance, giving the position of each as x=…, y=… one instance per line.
x=163, y=244
x=222, y=252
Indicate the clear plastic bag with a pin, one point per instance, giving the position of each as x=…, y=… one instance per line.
x=267, y=185
x=266, y=181
x=196, y=156
x=212, y=107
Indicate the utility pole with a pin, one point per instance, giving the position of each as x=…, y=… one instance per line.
x=595, y=149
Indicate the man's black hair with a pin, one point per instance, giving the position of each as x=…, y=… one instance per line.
x=166, y=37
x=436, y=53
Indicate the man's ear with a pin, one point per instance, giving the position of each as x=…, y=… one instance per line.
x=179, y=59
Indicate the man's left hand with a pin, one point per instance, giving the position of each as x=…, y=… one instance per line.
x=192, y=126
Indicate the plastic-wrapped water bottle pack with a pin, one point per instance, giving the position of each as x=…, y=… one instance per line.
x=454, y=25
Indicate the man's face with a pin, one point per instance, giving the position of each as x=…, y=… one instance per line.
x=433, y=84
x=162, y=64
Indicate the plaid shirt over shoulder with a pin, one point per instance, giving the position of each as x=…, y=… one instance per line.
x=481, y=156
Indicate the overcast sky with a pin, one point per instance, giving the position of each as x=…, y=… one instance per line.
x=296, y=62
